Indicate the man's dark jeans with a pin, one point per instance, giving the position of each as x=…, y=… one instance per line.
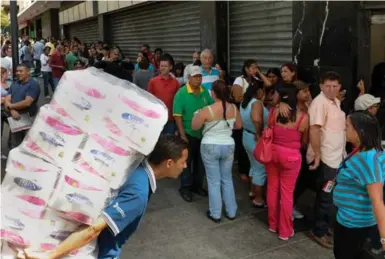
x=47, y=79
x=192, y=176
x=324, y=200
x=240, y=153
x=37, y=66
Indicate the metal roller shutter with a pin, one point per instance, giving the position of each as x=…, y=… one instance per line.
x=262, y=31
x=172, y=26
x=86, y=31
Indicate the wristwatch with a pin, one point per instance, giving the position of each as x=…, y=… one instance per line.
x=382, y=240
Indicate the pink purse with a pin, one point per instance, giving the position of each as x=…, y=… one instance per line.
x=262, y=152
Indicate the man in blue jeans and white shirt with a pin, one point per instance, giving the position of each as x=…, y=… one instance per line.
x=121, y=218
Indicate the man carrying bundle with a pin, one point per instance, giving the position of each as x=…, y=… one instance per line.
x=119, y=220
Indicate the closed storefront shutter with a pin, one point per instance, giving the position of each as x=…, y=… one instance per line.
x=172, y=26
x=86, y=31
x=261, y=31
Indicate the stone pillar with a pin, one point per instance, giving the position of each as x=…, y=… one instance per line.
x=55, y=23
x=208, y=24
x=326, y=37
x=104, y=32
x=222, y=32
x=50, y=24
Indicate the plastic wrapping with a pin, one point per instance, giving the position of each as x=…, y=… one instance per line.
x=29, y=177
x=53, y=137
x=80, y=150
x=117, y=108
x=80, y=196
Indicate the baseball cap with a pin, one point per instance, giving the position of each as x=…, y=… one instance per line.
x=300, y=85
x=365, y=101
x=195, y=70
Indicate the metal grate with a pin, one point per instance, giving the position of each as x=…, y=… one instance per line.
x=172, y=26
x=86, y=31
x=262, y=31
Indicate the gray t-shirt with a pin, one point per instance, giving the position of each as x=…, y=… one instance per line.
x=141, y=78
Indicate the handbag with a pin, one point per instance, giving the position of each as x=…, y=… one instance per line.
x=262, y=151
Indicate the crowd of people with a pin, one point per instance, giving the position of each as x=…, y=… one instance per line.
x=223, y=122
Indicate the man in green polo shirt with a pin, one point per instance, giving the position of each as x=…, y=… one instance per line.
x=72, y=57
x=189, y=99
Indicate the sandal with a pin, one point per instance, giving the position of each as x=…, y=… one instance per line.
x=258, y=205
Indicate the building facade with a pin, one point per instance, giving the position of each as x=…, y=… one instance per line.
x=344, y=36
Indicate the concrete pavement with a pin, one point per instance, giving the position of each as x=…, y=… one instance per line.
x=174, y=229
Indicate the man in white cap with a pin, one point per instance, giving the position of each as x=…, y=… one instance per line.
x=367, y=102
x=189, y=99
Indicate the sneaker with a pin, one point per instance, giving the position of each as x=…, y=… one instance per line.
x=3, y=157
x=297, y=214
x=272, y=230
x=48, y=96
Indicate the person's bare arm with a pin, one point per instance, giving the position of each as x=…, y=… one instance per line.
x=304, y=128
x=199, y=119
x=238, y=119
x=265, y=80
x=257, y=118
x=376, y=195
x=22, y=104
x=315, y=142
x=75, y=241
x=179, y=125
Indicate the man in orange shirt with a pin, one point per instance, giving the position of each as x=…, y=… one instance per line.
x=164, y=87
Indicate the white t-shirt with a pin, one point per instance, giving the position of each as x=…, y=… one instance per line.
x=45, y=67
x=240, y=80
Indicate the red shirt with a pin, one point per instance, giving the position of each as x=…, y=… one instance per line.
x=165, y=90
x=57, y=60
x=151, y=58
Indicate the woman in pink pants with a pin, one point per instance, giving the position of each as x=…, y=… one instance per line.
x=288, y=136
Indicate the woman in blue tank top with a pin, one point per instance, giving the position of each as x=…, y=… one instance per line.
x=254, y=118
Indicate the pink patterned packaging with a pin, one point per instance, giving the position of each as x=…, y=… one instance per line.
x=54, y=229
x=53, y=137
x=86, y=96
x=138, y=117
x=28, y=176
x=16, y=227
x=107, y=158
x=79, y=196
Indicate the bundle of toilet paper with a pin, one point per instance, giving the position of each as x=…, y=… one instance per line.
x=79, y=151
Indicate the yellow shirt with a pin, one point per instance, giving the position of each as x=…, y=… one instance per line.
x=49, y=44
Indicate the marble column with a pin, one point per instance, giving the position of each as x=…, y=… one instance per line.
x=327, y=36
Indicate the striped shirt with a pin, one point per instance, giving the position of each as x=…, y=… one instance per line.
x=351, y=195
x=209, y=78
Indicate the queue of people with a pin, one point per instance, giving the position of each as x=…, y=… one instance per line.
x=221, y=124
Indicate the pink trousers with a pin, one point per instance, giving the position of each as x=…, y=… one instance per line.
x=282, y=174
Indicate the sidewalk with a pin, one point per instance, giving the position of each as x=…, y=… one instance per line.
x=173, y=228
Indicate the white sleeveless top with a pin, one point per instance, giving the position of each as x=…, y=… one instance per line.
x=219, y=132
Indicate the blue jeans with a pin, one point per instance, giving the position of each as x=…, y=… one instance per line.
x=218, y=162
x=47, y=79
x=169, y=128
x=257, y=170
x=55, y=82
